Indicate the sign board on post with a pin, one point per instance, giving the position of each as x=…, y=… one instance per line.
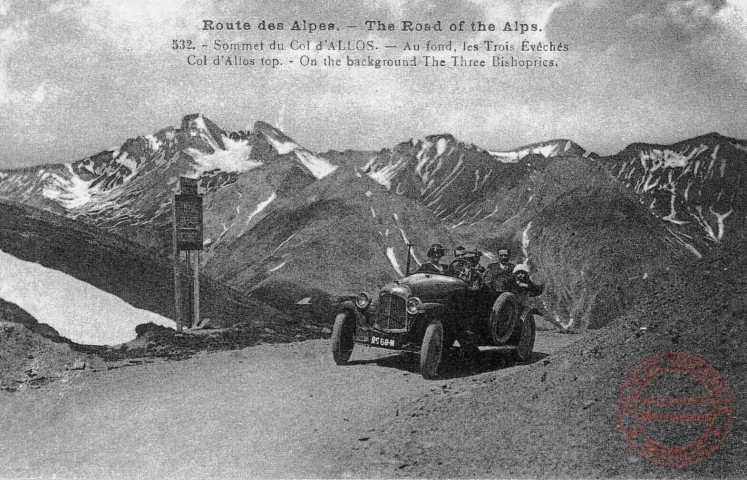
x=188, y=222
x=187, y=235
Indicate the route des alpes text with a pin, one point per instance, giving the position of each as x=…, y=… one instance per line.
x=297, y=25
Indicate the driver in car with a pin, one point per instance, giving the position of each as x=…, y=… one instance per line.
x=467, y=267
x=435, y=254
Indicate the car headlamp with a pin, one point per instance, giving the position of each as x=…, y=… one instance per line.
x=363, y=300
x=413, y=305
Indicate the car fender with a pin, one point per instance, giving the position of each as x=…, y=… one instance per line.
x=427, y=306
x=349, y=306
x=430, y=305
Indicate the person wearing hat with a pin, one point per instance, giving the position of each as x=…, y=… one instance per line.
x=521, y=285
x=469, y=268
x=435, y=254
x=499, y=273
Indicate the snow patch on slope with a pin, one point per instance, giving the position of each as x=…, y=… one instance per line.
x=318, y=166
x=441, y=146
x=384, y=175
x=235, y=158
x=393, y=260
x=525, y=242
x=275, y=269
x=154, y=142
x=260, y=206
x=129, y=163
x=198, y=128
x=655, y=159
x=71, y=192
x=546, y=150
x=77, y=310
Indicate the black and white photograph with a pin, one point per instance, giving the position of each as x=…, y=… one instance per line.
x=373, y=239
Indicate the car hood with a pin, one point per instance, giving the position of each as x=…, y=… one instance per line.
x=429, y=287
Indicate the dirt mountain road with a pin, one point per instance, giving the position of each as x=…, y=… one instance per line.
x=266, y=411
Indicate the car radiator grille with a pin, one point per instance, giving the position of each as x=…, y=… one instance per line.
x=392, y=313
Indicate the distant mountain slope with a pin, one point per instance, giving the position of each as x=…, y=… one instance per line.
x=342, y=234
x=114, y=265
x=461, y=183
x=699, y=184
x=548, y=149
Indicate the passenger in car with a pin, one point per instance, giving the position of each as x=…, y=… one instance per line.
x=498, y=274
x=435, y=254
x=521, y=285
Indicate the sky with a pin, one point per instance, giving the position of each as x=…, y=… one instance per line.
x=81, y=76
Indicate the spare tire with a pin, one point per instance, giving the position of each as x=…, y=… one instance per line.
x=503, y=318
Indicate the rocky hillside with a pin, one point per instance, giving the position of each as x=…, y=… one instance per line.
x=343, y=234
x=594, y=245
x=33, y=353
x=115, y=265
x=698, y=186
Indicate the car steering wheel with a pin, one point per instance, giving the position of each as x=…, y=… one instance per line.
x=458, y=268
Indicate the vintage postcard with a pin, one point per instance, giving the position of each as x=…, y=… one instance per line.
x=335, y=239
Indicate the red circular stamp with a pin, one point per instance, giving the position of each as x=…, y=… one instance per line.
x=674, y=409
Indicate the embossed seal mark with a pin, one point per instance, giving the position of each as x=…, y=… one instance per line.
x=675, y=409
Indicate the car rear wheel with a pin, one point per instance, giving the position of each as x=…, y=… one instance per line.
x=503, y=318
x=343, y=338
x=431, y=350
x=528, y=333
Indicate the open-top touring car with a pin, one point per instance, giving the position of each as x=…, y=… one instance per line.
x=426, y=313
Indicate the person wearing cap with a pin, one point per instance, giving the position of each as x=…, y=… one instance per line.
x=435, y=254
x=521, y=285
x=469, y=269
x=498, y=274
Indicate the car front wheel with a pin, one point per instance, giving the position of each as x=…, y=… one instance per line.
x=431, y=350
x=343, y=338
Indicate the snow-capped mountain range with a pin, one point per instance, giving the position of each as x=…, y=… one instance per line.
x=128, y=190
x=277, y=214
x=697, y=182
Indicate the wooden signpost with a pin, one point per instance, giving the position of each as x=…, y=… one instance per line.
x=187, y=237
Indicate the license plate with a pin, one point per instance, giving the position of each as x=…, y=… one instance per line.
x=382, y=342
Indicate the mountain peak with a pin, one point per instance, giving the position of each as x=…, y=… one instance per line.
x=550, y=148
x=200, y=127
x=441, y=136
